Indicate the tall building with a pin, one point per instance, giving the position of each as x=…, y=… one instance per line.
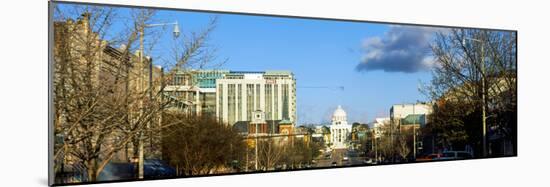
x=239, y=93
x=233, y=96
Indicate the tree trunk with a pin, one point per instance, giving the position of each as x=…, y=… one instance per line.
x=91, y=171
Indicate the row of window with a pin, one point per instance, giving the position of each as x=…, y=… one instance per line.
x=253, y=96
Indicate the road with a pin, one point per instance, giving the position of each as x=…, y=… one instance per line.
x=337, y=156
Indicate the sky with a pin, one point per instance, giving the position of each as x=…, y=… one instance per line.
x=378, y=65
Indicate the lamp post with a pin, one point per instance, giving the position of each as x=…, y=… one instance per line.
x=375, y=144
x=141, y=83
x=483, y=102
x=414, y=132
x=256, y=147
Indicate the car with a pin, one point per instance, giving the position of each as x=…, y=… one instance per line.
x=452, y=155
x=352, y=153
x=368, y=161
x=429, y=157
x=346, y=158
x=333, y=163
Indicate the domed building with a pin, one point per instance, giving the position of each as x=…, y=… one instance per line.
x=339, y=129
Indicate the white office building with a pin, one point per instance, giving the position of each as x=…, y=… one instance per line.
x=401, y=111
x=239, y=94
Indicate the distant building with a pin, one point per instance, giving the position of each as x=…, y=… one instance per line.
x=378, y=126
x=238, y=94
x=232, y=96
x=196, y=88
x=408, y=119
x=400, y=111
x=321, y=134
x=340, y=129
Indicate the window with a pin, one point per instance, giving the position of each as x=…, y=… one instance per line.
x=231, y=104
x=285, y=101
x=239, y=102
x=249, y=101
x=268, y=102
x=449, y=154
x=220, y=100
x=464, y=155
x=257, y=96
x=276, y=102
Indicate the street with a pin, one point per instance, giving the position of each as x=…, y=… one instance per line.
x=337, y=157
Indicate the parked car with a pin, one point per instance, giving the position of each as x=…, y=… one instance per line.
x=451, y=155
x=346, y=158
x=333, y=163
x=429, y=157
x=369, y=161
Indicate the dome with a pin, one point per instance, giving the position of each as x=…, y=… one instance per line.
x=339, y=114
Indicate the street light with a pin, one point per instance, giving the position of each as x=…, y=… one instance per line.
x=176, y=33
x=176, y=30
x=483, y=108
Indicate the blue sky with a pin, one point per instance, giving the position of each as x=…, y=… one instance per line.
x=320, y=53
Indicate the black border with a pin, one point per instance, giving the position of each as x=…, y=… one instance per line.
x=50, y=88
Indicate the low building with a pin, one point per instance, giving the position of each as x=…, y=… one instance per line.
x=378, y=126
x=400, y=111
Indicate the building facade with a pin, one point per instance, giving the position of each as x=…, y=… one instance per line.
x=400, y=111
x=340, y=129
x=239, y=94
x=196, y=88
x=233, y=96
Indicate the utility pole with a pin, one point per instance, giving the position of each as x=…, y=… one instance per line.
x=246, y=165
x=256, y=147
x=414, y=133
x=141, y=87
x=483, y=107
x=483, y=94
x=375, y=146
x=391, y=141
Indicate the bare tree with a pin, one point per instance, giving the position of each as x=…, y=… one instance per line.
x=477, y=67
x=447, y=123
x=385, y=144
x=403, y=147
x=107, y=100
x=270, y=153
x=198, y=145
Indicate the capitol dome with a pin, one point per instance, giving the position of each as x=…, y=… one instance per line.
x=339, y=115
